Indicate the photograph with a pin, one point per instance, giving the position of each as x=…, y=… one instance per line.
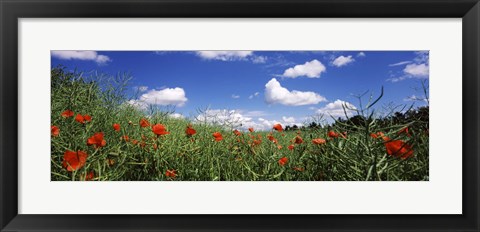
x=239, y=115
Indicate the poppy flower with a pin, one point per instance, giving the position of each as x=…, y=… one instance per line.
x=250, y=129
x=333, y=134
x=134, y=142
x=282, y=161
x=373, y=135
x=97, y=140
x=318, y=141
x=298, y=140
x=171, y=173
x=376, y=135
x=291, y=147
x=67, y=114
x=55, y=131
x=278, y=127
x=279, y=147
x=90, y=176
x=218, y=136
x=125, y=138
x=87, y=118
x=256, y=142
x=73, y=161
x=144, y=122
x=398, y=148
x=159, y=129
x=404, y=131
x=116, y=127
x=271, y=138
x=237, y=133
x=190, y=131
x=79, y=118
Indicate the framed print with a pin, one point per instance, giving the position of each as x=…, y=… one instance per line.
x=209, y=115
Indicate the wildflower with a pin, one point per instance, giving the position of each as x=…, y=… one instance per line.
x=398, y=148
x=67, y=114
x=134, y=142
x=282, y=161
x=159, y=129
x=55, y=131
x=237, y=133
x=90, y=176
x=97, y=140
x=256, y=142
x=404, y=131
x=250, y=129
x=125, y=138
x=87, y=118
x=171, y=173
x=73, y=161
x=291, y=147
x=218, y=136
x=376, y=135
x=116, y=127
x=333, y=134
x=144, y=122
x=79, y=118
x=271, y=138
x=190, y=131
x=279, y=147
x=278, y=127
x=298, y=140
x=318, y=141
x=373, y=135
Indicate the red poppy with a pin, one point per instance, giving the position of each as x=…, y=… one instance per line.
x=73, y=161
x=373, y=135
x=282, y=161
x=97, y=140
x=55, y=131
x=278, y=127
x=271, y=138
x=279, y=147
x=87, y=118
x=134, y=142
x=237, y=133
x=67, y=114
x=90, y=176
x=171, y=173
x=218, y=136
x=291, y=147
x=190, y=131
x=404, y=131
x=257, y=142
x=116, y=127
x=318, y=141
x=126, y=138
x=298, y=140
x=333, y=134
x=144, y=122
x=250, y=129
x=159, y=129
x=79, y=118
x=398, y=148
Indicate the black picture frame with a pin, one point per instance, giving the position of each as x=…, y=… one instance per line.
x=12, y=10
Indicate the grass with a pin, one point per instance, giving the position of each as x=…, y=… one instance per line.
x=358, y=156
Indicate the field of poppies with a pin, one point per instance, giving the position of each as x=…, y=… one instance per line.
x=96, y=137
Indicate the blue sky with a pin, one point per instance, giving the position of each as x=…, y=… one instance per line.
x=260, y=88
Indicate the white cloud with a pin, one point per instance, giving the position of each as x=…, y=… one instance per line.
x=168, y=96
x=342, y=61
x=415, y=98
x=288, y=119
x=224, y=55
x=141, y=88
x=335, y=109
x=416, y=70
x=235, y=96
x=400, y=63
x=259, y=59
x=254, y=95
x=176, y=115
x=361, y=54
x=275, y=93
x=81, y=55
x=312, y=69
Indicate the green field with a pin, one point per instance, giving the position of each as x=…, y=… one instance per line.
x=174, y=155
